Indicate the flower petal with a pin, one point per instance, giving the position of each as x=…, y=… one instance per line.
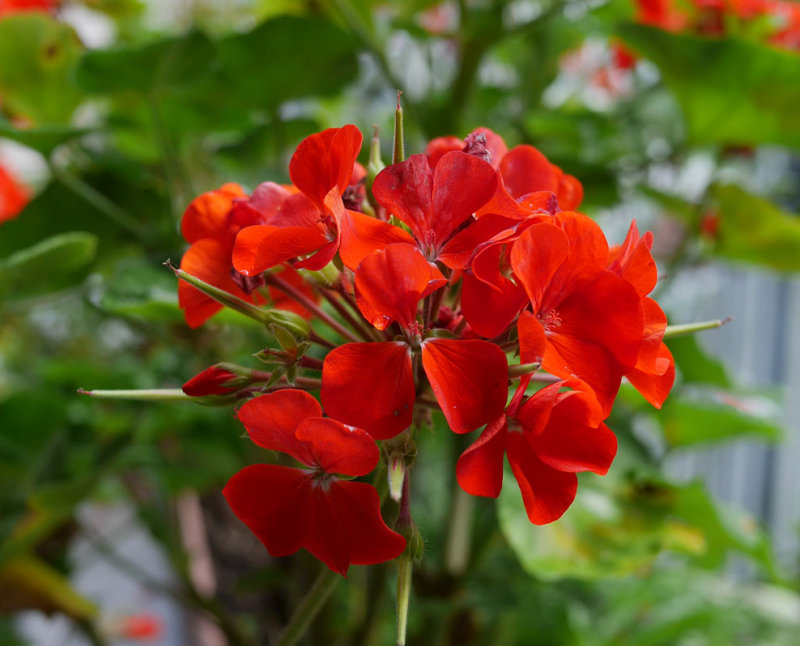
x=633, y=261
x=272, y=421
x=490, y=310
x=338, y=448
x=655, y=384
x=207, y=215
x=532, y=340
x=325, y=161
x=209, y=260
x=261, y=247
x=369, y=540
x=469, y=379
x=390, y=283
x=536, y=256
x=370, y=385
x=479, y=470
x=363, y=235
x=546, y=492
x=462, y=184
x=273, y=501
x=525, y=170
x=570, y=442
x=405, y=190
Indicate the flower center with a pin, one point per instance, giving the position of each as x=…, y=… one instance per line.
x=550, y=320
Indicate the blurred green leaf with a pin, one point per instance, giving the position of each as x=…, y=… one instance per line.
x=37, y=56
x=731, y=91
x=688, y=422
x=50, y=265
x=43, y=139
x=695, y=365
x=165, y=66
x=755, y=230
x=622, y=527
x=274, y=62
x=673, y=205
x=28, y=583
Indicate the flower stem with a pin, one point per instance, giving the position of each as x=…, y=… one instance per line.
x=457, y=547
x=691, y=328
x=347, y=315
x=99, y=201
x=404, y=570
x=310, y=305
x=309, y=607
x=152, y=395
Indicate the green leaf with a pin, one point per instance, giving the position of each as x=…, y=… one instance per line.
x=731, y=91
x=686, y=422
x=43, y=139
x=695, y=366
x=754, y=230
x=606, y=533
x=673, y=205
x=616, y=529
x=265, y=68
x=168, y=65
x=49, y=265
x=37, y=57
x=28, y=583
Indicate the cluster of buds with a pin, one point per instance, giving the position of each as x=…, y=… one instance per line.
x=461, y=280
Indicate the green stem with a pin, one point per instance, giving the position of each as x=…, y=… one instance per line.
x=309, y=608
x=99, y=201
x=171, y=166
x=690, y=328
x=152, y=395
x=404, y=570
x=297, y=296
x=457, y=547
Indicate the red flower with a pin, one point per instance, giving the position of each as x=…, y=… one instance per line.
x=547, y=438
x=13, y=196
x=210, y=224
x=308, y=222
x=371, y=385
x=589, y=320
x=523, y=170
x=338, y=521
x=654, y=371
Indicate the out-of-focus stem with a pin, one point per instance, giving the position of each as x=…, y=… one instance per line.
x=309, y=607
x=457, y=547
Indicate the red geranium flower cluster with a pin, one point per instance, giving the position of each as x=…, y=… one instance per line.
x=462, y=271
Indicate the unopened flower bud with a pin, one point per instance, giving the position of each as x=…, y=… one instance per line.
x=396, y=475
x=215, y=380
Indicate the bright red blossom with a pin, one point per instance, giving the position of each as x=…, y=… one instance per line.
x=547, y=437
x=309, y=221
x=338, y=521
